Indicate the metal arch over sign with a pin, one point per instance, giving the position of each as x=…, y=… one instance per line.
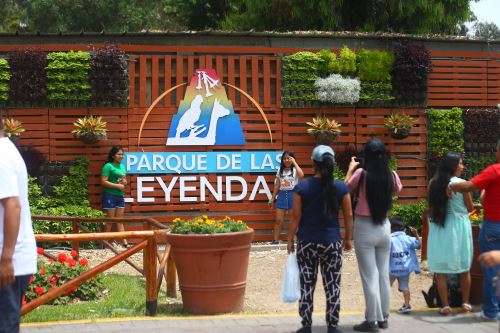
x=205, y=116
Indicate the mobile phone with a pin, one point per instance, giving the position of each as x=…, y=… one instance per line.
x=360, y=160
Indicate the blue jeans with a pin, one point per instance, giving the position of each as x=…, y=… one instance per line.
x=10, y=304
x=489, y=239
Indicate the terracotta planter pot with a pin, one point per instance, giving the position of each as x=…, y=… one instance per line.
x=476, y=273
x=212, y=270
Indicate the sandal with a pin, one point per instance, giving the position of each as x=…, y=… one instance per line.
x=466, y=307
x=445, y=311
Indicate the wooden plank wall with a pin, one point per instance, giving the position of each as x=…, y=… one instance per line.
x=464, y=79
x=458, y=79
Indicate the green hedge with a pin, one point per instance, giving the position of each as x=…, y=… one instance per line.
x=4, y=79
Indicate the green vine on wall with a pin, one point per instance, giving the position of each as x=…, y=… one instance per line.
x=445, y=131
x=4, y=80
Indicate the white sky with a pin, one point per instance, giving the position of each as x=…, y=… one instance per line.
x=487, y=11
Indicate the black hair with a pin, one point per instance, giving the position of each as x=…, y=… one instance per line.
x=282, y=163
x=397, y=224
x=328, y=192
x=379, y=180
x=438, y=196
x=112, y=153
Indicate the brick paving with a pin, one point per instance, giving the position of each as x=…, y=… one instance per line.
x=418, y=321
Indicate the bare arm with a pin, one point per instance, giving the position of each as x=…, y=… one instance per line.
x=276, y=188
x=468, y=202
x=490, y=258
x=107, y=184
x=294, y=221
x=353, y=165
x=300, y=173
x=12, y=219
x=462, y=187
x=347, y=209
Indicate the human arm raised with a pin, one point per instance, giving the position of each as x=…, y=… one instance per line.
x=300, y=173
x=353, y=165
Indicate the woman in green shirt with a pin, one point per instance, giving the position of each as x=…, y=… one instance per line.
x=114, y=181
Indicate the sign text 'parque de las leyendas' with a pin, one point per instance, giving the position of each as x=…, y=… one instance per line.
x=205, y=117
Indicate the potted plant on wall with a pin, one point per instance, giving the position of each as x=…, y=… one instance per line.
x=212, y=261
x=90, y=129
x=13, y=129
x=399, y=125
x=325, y=131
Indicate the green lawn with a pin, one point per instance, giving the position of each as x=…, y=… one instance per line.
x=126, y=298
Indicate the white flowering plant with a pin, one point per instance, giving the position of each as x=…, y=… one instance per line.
x=337, y=89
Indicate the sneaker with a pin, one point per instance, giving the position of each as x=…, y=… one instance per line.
x=275, y=242
x=405, y=309
x=367, y=326
x=332, y=329
x=484, y=317
x=383, y=324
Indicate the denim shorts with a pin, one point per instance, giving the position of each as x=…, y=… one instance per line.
x=403, y=282
x=285, y=200
x=10, y=304
x=112, y=201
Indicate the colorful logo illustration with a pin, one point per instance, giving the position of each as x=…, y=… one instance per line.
x=205, y=116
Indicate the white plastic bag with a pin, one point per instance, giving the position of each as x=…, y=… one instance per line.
x=290, y=290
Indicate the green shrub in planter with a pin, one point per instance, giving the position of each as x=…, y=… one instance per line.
x=445, y=131
x=68, y=77
x=4, y=80
x=109, y=76
x=345, y=62
x=374, y=70
x=299, y=74
x=28, y=83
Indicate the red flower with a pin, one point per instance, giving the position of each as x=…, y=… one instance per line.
x=51, y=261
x=53, y=279
x=39, y=290
x=43, y=271
x=71, y=262
x=62, y=257
x=83, y=262
x=73, y=253
x=40, y=250
x=32, y=278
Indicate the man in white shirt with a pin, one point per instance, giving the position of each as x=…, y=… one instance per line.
x=17, y=240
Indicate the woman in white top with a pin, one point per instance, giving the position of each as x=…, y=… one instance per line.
x=287, y=177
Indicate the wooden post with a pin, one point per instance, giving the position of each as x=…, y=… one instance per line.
x=150, y=264
x=162, y=268
x=76, y=244
x=171, y=277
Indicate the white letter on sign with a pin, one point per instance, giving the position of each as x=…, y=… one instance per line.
x=141, y=189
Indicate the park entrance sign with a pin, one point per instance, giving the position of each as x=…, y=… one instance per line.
x=205, y=117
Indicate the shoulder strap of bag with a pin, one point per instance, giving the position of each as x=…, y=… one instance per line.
x=355, y=196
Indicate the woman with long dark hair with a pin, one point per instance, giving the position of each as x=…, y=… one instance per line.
x=376, y=184
x=449, y=247
x=113, y=181
x=287, y=177
x=315, y=221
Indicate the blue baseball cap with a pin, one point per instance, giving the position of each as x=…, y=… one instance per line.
x=319, y=151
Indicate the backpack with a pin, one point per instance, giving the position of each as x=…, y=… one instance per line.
x=454, y=294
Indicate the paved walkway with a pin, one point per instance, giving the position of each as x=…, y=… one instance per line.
x=418, y=321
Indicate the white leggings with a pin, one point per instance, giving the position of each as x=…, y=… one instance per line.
x=373, y=244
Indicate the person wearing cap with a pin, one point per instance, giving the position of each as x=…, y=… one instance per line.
x=17, y=240
x=372, y=230
x=489, y=236
x=315, y=222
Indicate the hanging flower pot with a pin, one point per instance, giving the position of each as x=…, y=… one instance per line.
x=325, y=137
x=90, y=129
x=400, y=133
x=399, y=125
x=12, y=129
x=325, y=131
